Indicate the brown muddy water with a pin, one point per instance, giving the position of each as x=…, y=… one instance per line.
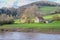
x=28, y=36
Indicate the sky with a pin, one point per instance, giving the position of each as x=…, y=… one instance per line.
x=17, y=3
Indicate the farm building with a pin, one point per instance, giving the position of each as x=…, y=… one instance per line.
x=38, y=19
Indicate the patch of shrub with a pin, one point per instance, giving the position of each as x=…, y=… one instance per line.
x=6, y=19
x=56, y=18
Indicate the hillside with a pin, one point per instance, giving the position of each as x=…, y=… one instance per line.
x=44, y=6
x=42, y=3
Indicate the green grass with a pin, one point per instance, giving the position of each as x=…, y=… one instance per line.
x=17, y=21
x=47, y=9
x=55, y=25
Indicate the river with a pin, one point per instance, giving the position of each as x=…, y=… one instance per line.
x=28, y=36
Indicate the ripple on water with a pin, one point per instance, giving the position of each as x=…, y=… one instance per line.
x=28, y=36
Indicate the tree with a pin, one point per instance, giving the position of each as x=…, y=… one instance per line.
x=31, y=11
x=20, y=11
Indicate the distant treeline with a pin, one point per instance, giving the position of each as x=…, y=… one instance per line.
x=8, y=11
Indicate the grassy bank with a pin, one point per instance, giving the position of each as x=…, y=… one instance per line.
x=53, y=25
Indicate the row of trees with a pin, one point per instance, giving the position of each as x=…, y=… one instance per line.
x=9, y=11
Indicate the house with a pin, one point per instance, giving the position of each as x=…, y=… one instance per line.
x=38, y=19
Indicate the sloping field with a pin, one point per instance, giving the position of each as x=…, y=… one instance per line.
x=47, y=9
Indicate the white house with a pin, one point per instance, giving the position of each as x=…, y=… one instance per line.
x=38, y=19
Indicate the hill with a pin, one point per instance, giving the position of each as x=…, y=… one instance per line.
x=44, y=6
x=41, y=3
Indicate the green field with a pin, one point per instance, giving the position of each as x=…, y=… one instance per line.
x=47, y=9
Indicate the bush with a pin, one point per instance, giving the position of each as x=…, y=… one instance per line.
x=32, y=21
x=6, y=19
x=56, y=18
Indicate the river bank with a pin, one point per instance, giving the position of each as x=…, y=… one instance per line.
x=49, y=31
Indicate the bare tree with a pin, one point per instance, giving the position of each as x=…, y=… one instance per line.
x=31, y=11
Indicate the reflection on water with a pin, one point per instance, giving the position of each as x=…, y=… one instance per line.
x=28, y=36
